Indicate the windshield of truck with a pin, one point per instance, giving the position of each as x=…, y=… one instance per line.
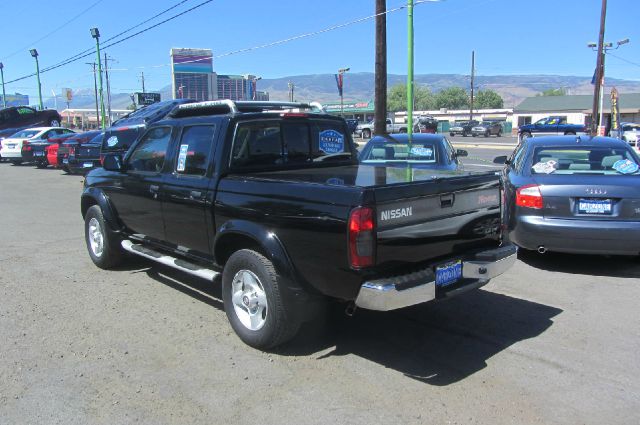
x=278, y=143
x=401, y=152
x=584, y=160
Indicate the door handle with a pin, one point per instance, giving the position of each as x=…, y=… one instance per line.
x=446, y=201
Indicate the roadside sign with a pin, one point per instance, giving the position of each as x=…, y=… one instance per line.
x=143, y=99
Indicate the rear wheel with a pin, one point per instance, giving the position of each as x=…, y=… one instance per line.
x=103, y=244
x=486, y=134
x=41, y=164
x=253, y=298
x=452, y=134
x=54, y=123
x=404, y=130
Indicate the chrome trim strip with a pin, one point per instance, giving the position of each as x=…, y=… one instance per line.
x=485, y=269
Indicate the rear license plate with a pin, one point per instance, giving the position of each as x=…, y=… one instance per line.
x=594, y=206
x=449, y=273
x=11, y=145
x=65, y=161
x=38, y=153
x=87, y=164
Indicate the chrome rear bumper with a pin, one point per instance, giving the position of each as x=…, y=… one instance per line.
x=419, y=287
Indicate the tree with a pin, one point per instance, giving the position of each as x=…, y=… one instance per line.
x=422, y=97
x=488, y=99
x=554, y=92
x=452, y=98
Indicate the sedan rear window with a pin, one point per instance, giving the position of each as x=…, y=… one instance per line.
x=386, y=152
x=25, y=134
x=583, y=160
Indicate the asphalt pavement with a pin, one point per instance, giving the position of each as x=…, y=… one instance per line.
x=555, y=340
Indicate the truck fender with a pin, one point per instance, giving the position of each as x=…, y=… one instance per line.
x=233, y=231
x=95, y=196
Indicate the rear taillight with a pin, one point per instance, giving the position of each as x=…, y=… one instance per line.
x=25, y=145
x=529, y=196
x=101, y=159
x=361, y=237
x=72, y=150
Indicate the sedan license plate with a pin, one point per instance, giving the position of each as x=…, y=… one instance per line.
x=38, y=153
x=87, y=165
x=449, y=273
x=65, y=161
x=594, y=206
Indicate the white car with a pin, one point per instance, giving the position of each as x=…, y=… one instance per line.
x=13, y=146
x=630, y=133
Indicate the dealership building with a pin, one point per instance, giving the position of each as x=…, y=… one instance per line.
x=192, y=77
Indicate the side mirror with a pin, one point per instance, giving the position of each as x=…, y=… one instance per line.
x=502, y=159
x=462, y=152
x=113, y=163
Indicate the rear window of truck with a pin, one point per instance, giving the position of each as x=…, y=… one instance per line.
x=279, y=143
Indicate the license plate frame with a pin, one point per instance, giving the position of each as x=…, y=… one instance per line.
x=38, y=153
x=87, y=164
x=448, y=273
x=592, y=206
x=65, y=161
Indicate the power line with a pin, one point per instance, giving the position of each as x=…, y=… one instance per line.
x=90, y=52
x=52, y=32
x=623, y=59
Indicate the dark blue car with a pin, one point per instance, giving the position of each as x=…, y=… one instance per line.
x=576, y=194
x=432, y=151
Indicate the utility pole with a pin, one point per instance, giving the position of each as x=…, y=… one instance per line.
x=410, y=71
x=291, y=89
x=341, y=73
x=142, y=77
x=473, y=65
x=380, y=98
x=599, y=71
x=106, y=74
x=4, y=95
x=95, y=90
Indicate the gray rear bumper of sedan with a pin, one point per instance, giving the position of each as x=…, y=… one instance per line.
x=603, y=237
x=419, y=287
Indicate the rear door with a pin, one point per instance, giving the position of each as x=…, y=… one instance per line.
x=186, y=195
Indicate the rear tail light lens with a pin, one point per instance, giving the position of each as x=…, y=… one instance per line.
x=72, y=151
x=25, y=145
x=361, y=237
x=529, y=196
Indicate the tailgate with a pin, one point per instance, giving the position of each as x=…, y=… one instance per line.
x=431, y=220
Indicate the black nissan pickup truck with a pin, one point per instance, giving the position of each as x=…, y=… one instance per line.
x=271, y=196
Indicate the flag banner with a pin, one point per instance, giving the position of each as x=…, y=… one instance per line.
x=339, y=83
x=615, y=113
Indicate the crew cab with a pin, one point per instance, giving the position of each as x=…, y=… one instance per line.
x=554, y=125
x=270, y=197
x=21, y=117
x=366, y=130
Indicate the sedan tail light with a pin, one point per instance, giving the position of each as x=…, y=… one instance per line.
x=25, y=145
x=72, y=150
x=529, y=196
x=361, y=237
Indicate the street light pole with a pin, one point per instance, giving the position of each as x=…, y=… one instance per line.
x=599, y=70
x=4, y=95
x=341, y=73
x=410, y=70
x=34, y=53
x=96, y=34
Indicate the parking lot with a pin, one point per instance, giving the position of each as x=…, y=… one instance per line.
x=555, y=340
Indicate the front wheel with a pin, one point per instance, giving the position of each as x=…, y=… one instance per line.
x=252, y=292
x=54, y=123
x=103, y=244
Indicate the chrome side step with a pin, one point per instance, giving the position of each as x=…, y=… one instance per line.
x=168, y=260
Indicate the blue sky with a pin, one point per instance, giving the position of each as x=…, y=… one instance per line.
x=509, y=37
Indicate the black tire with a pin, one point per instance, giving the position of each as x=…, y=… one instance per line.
x=465, y=134
x=452, y=134
x=16, y=161
x=570, y=133
x=486, y=134
x=499, y=133
x=276, y=322
x=404, y=130
x=41, y=165
x=366, y=133
x=54, y=123
x=111, y=253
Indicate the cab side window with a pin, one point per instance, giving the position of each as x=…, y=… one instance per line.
x=149, y=154
x=194, y=150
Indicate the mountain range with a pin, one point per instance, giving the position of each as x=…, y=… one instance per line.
x=360, y=87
